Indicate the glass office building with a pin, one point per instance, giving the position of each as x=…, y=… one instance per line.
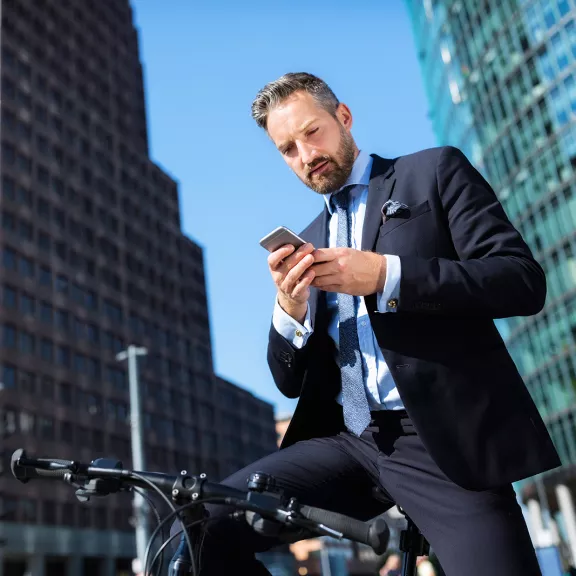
x=501, y=82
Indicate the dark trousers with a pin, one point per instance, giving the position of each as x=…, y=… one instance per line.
x=472, y=533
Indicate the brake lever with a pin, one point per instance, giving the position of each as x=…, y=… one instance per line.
x=95, y=486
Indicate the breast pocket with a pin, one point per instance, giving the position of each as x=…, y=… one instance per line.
x=409, y=216
x=408, y=234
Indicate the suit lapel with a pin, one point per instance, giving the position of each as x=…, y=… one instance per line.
x=382, y=181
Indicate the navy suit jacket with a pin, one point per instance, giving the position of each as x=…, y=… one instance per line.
x=463, y=265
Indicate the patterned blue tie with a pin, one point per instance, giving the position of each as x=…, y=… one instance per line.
x=355, y=403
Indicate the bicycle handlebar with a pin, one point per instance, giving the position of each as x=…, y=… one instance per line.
x=261, y=497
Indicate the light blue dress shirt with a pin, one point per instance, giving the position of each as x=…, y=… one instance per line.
x=380, y=388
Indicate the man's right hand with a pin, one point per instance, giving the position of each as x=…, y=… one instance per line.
x=292, y=275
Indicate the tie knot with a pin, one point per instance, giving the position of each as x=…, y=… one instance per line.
x=340, y=199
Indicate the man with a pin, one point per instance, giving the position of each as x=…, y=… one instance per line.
x=383, y=327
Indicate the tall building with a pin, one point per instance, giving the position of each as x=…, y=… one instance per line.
x=501, y=83
x=93, y=259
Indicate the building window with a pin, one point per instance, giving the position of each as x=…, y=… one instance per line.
x=48, y=510
x=43, y=176
x=62, y=320
x=44, y=242
x=8, y=376
x=93, y=368
x=8, y=188
x=46, y=312
x=26, y=267
x=9, y=336
x=27, y=423
x=45, y=276
x=66, y=394
x=91, y=300
x=9, y=297
x=47, y=350
x=62, y=284
x=8, y=153
x=8, y=509
x=78, y=328
x=27, y=305
x=26, y=342
x=24, y=164
x=63, y=356
x=61, y=250
x=97, y=443
x=77, y=294
x=48, y=387
x=80, y=363
x=93, y=333
x=9, y=258
x=8, y=221
x=28, y=511
x=68, y=508
x=41, y=114
x=113, y=311
x=27, y=382
x=25, y=230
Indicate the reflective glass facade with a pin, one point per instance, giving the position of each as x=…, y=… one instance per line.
x=501, y=82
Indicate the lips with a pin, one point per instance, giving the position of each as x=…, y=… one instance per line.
x=321, y=168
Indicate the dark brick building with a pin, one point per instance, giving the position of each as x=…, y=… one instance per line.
x=93, y=259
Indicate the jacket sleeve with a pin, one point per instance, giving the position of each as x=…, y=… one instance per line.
x=287, y=364
x=495, y=275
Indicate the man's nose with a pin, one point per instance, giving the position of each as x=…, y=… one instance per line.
x=308, y=154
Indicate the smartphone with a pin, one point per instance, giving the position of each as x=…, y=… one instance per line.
x=280, y=237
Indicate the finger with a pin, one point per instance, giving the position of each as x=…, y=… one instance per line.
x=294, y=275
x=325, y=254
x=327, y=280
x=297, y=257
x=276, y=257
x=323, y=268
x=290, y=257
x=303, y=284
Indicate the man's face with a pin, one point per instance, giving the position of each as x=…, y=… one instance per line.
x=318, y=147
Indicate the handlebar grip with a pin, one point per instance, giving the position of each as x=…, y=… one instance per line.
x=25, y=472
x=374, y=533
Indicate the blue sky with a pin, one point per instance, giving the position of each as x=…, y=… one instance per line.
x=204, y=61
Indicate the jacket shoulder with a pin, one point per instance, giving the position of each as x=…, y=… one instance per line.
x=430, y=155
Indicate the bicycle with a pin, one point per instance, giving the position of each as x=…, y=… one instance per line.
x=263, y=506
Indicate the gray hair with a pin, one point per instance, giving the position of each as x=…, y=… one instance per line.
x=277, y=91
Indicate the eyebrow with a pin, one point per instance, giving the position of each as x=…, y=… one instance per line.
x=303, y=128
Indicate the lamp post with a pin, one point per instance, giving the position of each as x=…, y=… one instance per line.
x=137, y=437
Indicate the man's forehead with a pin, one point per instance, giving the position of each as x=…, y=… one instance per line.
x=286, y=133
x=289, y=122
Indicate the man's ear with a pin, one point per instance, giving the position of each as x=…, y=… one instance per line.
x=344, y=116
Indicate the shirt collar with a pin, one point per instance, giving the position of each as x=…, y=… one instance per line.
x=360, y=175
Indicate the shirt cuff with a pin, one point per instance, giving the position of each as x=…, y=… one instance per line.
x=389, y=298
x=296, y=333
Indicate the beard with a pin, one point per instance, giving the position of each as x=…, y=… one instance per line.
x=338, y=169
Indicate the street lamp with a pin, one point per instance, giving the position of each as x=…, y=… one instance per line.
x=137, y=437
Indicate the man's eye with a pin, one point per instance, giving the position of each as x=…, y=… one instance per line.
x=286, y=150
x=313, y=131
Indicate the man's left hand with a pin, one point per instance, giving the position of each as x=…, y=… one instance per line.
x=349, y=271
